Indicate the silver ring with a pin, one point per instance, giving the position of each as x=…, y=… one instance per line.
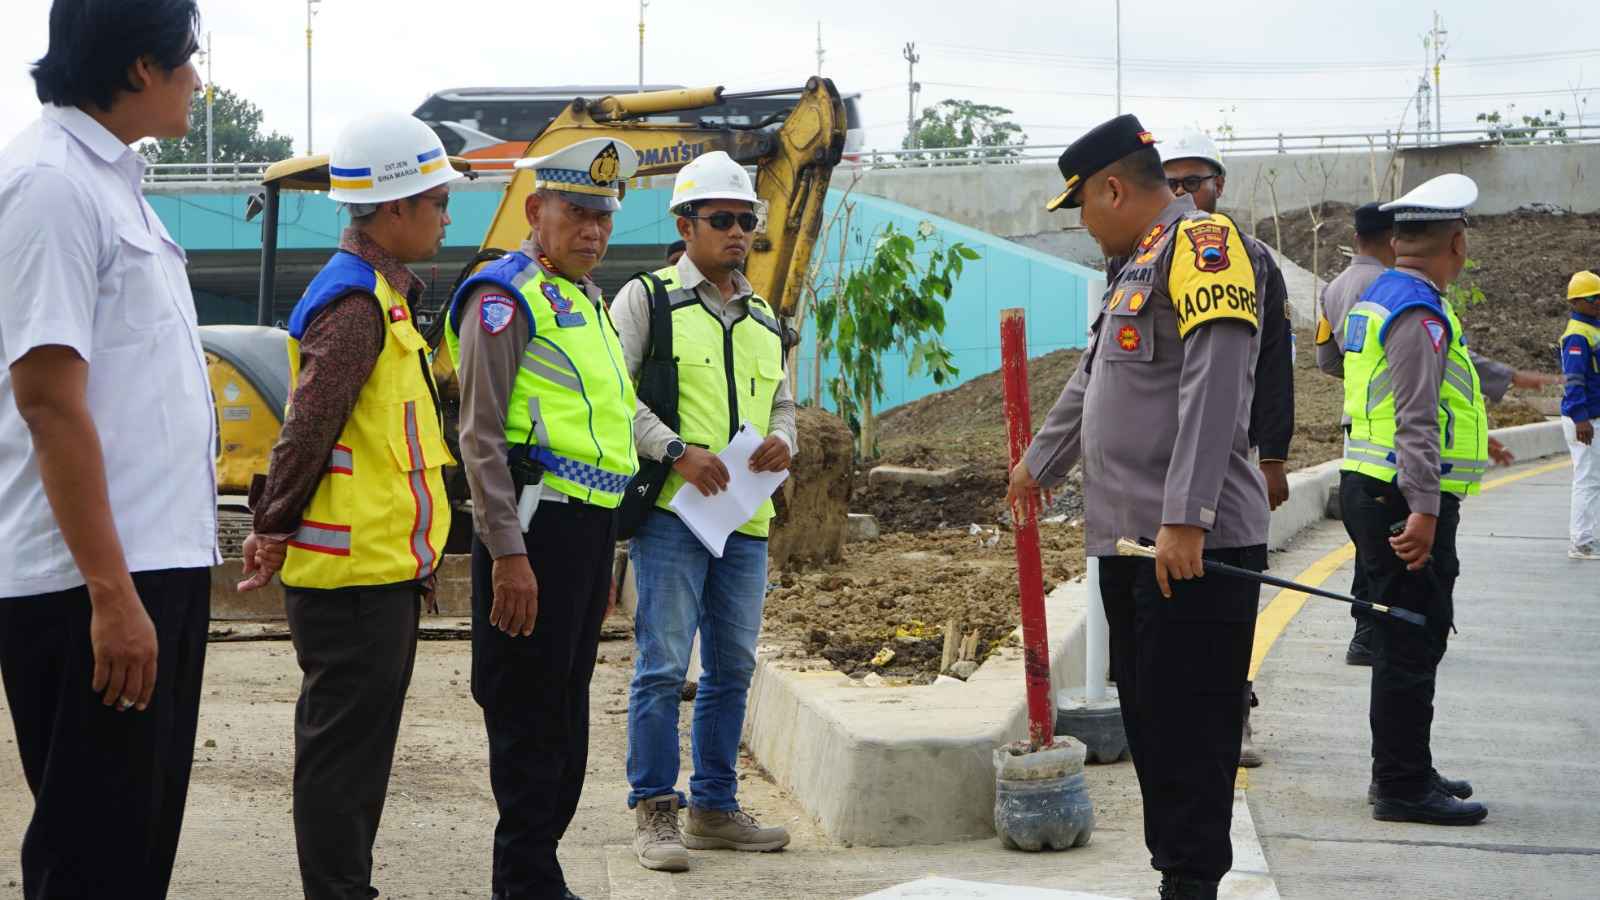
x=123, y=703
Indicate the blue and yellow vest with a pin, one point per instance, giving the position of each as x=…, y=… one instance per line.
x=572, y=402
x=379, y=516
x=726, y=375
x=1369, y=388
x=1580, y=364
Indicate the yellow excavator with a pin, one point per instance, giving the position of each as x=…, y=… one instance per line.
x=794, y=155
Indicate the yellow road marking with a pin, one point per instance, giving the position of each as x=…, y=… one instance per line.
x=1286, y=604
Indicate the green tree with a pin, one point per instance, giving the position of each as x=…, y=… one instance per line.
x=891, y=301
x=962, y=123
x=1504, y=127
x=239, y=137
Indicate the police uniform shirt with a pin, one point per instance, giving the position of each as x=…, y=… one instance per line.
x=630, y=313
x=86, y=264
x=1159, y=420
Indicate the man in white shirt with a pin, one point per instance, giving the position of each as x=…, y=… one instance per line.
x=107, y=478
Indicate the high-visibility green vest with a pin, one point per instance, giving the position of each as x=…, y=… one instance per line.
x=1369, y=388
x=572, y=401
x=726, y=375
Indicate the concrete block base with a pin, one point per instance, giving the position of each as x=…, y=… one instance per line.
x=883, y=476
x=861, y=527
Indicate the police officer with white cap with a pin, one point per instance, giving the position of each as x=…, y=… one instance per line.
x=1158, y=411
x=1418, y=443
x=547, y=440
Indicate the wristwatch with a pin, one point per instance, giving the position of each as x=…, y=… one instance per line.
x=675, y=449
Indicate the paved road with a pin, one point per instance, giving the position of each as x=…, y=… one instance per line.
x=1518, y=713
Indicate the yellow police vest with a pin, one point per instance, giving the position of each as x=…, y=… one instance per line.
x=572, y=403
x=379, y=515
x=726, y=375
x=1369, y=389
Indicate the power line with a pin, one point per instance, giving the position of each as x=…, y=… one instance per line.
x=1208, y=98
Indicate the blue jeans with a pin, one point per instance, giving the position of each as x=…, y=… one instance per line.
x=683, y=587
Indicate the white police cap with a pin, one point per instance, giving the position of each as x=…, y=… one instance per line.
x=589, y=173
x=1438, y=199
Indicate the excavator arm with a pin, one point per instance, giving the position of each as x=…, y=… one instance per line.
x=794, y=164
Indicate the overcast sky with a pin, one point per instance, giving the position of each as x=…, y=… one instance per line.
x=1263, y=66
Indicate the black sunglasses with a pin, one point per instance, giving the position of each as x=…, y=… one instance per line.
x=722, y=221
x=1190, y=183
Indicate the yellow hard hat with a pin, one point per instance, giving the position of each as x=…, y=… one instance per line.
x=1583, y=286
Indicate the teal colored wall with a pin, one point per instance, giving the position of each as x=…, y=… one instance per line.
x=1052, y=291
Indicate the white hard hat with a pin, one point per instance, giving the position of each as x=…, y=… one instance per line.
x=386, y=156
x=712, y=176
x=1191, y=145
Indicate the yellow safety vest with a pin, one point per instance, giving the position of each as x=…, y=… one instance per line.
x=726, y=375
x=379, y=515
x=1369, y=389
x=572, y=402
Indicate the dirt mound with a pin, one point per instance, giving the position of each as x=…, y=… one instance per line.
x=1524, y=261
x=900, y=590
x=812, y=504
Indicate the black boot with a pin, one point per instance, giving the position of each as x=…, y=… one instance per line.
x=1360, y=650
x=1461, y=790
x=1434, y=808
x=1176, y=887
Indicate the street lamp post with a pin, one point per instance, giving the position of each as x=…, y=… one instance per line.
x=311, y=10
x=211, y=91
x=642, y=5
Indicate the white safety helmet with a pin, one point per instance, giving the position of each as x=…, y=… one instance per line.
x=1191, y=145
x=386, y=156
x=713, y=176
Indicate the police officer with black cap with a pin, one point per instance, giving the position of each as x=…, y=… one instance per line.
x=1158, y=412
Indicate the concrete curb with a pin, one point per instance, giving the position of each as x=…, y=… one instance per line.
x=893, y=766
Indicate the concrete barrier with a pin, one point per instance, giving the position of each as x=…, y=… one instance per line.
x=454, y=593
x=891, y=766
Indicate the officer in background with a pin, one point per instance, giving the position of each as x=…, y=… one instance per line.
x=364, y=537
x=547, y=440
x=1158, y=410
x=1374, y=226
x=1194, y=168
x=1418, y=443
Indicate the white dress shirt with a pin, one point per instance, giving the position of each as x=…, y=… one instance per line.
x=86, y=264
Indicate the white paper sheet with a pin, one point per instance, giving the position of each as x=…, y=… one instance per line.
x=713, y=518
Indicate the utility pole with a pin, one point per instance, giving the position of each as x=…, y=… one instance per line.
x=1119, y=57
x=642, y=5
x=1435, y=42
x=311, y=10
x=912, y=58
x=1424, y=123
x=820, y=52
x=211, y=91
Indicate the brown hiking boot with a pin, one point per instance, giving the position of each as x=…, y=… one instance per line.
x=709, y=829
x=656, y=838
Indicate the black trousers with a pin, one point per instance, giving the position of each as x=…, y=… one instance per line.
x=1405, y=657
x=108, y=787
x=535, y=692
x=1180, y=667
x=356, y=649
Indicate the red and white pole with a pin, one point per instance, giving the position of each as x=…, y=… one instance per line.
x=1030, y=573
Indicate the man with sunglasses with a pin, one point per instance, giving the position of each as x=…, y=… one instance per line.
x=728, y=349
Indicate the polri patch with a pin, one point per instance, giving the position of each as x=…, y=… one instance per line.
x=495, y=312
x=1436, y=331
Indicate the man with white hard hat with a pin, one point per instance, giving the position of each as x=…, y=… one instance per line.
x=363, y=528
x=547, y=442
x=1194, y=168
x=727, y=348
x=1418, y=443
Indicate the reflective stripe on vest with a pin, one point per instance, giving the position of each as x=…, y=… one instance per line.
x=572, y=399
x=727, y=374
x=378, y=515
x=1369, y=389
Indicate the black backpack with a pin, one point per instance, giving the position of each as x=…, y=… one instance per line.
x=658, y=389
